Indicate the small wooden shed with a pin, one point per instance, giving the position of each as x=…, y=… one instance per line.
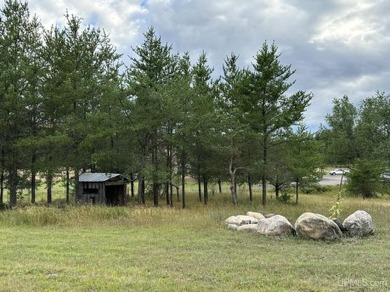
x=102, y=188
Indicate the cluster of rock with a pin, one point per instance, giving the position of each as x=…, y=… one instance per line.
x=308, y=225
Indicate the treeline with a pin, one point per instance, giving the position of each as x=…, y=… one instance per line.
x=359, y=137
x=69, y=105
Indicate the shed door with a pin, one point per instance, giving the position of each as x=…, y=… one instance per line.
x=115, y=195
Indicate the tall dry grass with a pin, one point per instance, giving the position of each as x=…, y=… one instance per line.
x=216, y=211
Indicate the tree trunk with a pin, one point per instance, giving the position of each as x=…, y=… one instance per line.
x=155, y=194
x=183, y=189
x=67, y=185
x=13, y=185
x=76, y=184
x=132, y=184
x=167, y=196
x=33, y=186
x=264, y=177
x=33, y=178
x=296, y=191
x=170, y=169
x=199, y=187
x=183, y=179
x=141, y=190
x=2, y=187
x=49, y=184
x=2, y=177
x=205, y=190
x=264, y=189
x=220, y=186
x=167, y=183
x=155, y=186
x=277, y=189
x=250, y=188
x=171, y=194
x=233, y=188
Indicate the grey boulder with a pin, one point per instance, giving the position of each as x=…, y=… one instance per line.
x=359, y=224
x=318, y=227
x=275, y=226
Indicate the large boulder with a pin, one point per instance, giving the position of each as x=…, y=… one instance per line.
x=269, y=215
x=275, y=226
x=241, y=220
x=316, y=226
x=256, y=215
x=233, y=226
x=248, y=227
x=359, y=223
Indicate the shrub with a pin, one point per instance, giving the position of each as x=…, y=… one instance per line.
x=364, y=178
x=284, y=197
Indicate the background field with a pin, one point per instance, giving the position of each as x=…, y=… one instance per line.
x=92, y=248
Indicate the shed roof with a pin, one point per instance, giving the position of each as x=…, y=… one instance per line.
x=97, y=177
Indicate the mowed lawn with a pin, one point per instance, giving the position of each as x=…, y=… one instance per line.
x=169, y=249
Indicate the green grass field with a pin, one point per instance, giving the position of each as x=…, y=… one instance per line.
x=92, y=248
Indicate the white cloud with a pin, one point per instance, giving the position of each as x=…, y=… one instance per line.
x=119, y=18
x=337, y=47
x=353, y=26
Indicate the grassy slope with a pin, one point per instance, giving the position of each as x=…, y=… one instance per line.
x=162, y=249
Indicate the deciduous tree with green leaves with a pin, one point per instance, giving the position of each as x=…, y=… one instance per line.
x=373, y=128
x=340, y=140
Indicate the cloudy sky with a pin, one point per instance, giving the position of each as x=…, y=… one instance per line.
x=336, y=46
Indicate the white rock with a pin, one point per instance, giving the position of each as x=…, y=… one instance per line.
x=256, y=215
x=241, y=220
x=248, y=227
x=275, y=226
x=359, y=223
x=233, y=226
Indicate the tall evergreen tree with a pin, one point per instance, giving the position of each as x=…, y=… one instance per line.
x=237, y=138
x=183, y=95
x=82, y=67
x=267, y=106
x=151, y=70
x=202, y=124
x=19, y=90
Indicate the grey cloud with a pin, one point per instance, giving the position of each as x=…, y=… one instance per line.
x=337, y=47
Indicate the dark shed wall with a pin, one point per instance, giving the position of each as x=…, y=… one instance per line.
x=93, y=192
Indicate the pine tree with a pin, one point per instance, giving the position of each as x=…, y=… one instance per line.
x=236, y=137
x=82, y=72
x=19, y=91
x=203, y=123
x=147, y=78
x=267, y=108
